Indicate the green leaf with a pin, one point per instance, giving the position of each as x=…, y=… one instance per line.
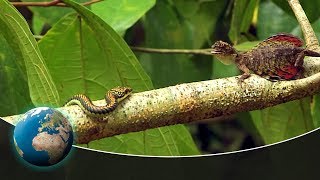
x=119, y=14
x=37, y=24
x=48, y=15
x=16, y=32
x=177, y=141
x=221, y=70
x=198, y=20
x=315, y=110
x=87, y=56
x=160, y=141
x=246, y=46
x=79, y=65
x=311, y=8
x=14, y=96
x=242, y=15
x=279, y=21
x=283, y=121
x=169, y=26
x=115, y=49
x=124, y=12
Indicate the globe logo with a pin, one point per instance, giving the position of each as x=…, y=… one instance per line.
x=43, y=136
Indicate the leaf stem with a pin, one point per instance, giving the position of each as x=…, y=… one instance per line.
x=172, y=51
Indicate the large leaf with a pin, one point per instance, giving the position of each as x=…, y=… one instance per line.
x=284, y=121
x=47, y=15
x=172, y=141
x=221, y=70
x=242, y=15
x=279, y=21
x=124, y=12
x=14, y=96
x=16, y=31
x=311, y=8
x=120, y=14
x=115, y=51
x=169, y=26
x=198, y=20
x=90, y=57
x=315, y=110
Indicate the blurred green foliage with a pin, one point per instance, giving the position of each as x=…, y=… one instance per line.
x=89, y=53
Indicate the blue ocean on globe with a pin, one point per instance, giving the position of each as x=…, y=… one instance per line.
x=43, y=136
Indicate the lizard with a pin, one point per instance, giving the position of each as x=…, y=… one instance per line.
x=279, y=57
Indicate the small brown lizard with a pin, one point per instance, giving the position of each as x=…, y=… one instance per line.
x=279, y=57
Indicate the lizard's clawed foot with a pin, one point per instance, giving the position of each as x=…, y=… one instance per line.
x=242, y=78
x=300, y=76
x=272, y=78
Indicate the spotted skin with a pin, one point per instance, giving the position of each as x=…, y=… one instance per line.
x=272, y=59
x=279, y=57
x=112, y=97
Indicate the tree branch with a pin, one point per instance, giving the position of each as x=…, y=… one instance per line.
x=173, y=51
x=308, y=33
x=50, y=3
x=196, y=101
x=189, y=102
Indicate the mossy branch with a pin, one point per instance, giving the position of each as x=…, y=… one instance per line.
x=189, y=102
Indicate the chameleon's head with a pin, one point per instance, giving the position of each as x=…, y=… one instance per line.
x=224, y=52
x=121, y=92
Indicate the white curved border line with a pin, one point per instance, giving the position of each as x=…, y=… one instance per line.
x=204, y=155
x=189, y=156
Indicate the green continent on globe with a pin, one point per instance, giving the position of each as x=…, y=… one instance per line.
x=43, y=136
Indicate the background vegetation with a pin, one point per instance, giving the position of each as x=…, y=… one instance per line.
x=84, y=52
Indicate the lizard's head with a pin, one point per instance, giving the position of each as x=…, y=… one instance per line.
x=224, y=52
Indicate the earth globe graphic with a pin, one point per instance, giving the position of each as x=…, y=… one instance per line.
x=43, y=136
